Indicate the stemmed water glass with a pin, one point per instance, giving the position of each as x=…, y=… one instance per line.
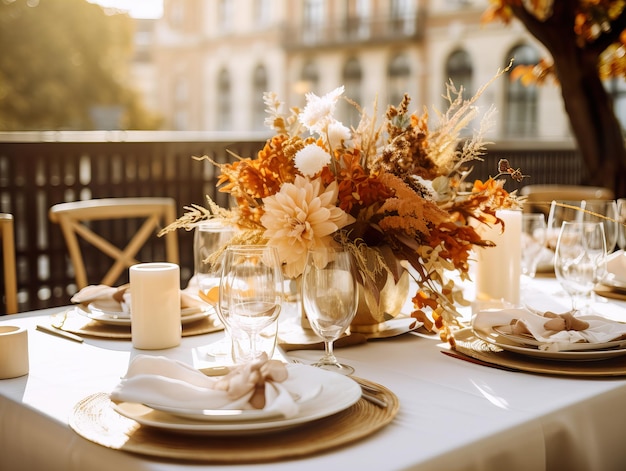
x=209, y=237
x=604, y=211
x=330, y=299
x=621, y=227
x=580, y=260
x=250, y=292
x=533, y=241
x=560, y=212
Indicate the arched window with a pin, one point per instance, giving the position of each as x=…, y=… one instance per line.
x=259, y=87
x=224, y=109
x=459, y=70
x=520, y=118
x=398, y=75
x=352, y=77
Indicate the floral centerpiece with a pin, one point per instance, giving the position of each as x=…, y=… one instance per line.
x=395, y=194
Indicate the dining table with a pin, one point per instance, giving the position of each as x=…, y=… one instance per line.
x=451, y=414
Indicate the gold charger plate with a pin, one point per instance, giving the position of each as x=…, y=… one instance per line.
x=71, y=321
x=95, y=419
x=610, y=292
x=467, y=343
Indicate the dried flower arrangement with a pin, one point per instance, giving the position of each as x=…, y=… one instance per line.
x=398, y=191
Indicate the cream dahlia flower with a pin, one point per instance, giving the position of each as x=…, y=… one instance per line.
x=301, y=216
x=311, y=159
x=318, y=112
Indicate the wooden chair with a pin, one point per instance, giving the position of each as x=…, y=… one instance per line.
x=74, y=218
x=8, y=252
x=539, y=197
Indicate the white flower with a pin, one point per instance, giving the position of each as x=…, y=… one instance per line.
x=301, y=216
x=311, y=159
x=337, y=133
x=318, y=112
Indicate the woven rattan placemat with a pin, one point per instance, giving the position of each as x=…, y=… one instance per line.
x=71, y=321
x=467, y=343
x=95, y=419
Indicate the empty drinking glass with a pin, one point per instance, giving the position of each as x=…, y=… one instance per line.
x=533, y=241
x=561, y=211
x=209, y=236
x=621, y=227
x=580, y=260
x=330, y=298
x=604, y=211
x=250, y=294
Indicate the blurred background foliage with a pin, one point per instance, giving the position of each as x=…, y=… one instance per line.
x=64, y=65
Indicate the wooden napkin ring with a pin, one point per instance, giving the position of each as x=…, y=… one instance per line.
x=565, y=321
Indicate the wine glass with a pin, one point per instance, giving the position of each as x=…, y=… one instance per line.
x=580, y=260
x=621, y=227
x=533, y=241
x=561, y=211
x=604, y=211
x=209, y=237
x=330, y=299
x=250, y=293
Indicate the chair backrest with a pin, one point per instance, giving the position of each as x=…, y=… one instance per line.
x=74, y=220
x=8, y=253
x=539, y=197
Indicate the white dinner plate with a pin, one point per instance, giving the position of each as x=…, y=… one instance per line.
x=235, y=415
x=188, y=315
x=530, y=341
x=511, y=346
x=338, y=392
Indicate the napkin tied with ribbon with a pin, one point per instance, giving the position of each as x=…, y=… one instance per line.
x=556, y=331
x=261, y=384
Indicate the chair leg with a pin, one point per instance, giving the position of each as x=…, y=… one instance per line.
x=10, y=278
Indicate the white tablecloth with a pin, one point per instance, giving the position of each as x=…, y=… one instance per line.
x=453, y=415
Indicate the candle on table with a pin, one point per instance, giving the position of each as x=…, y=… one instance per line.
x=155, y=305
x=498, y=268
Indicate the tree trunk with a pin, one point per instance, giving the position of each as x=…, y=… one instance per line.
x=596, y=128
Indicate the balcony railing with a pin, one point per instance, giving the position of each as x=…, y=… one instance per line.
x=38, y=170
x=354, y=30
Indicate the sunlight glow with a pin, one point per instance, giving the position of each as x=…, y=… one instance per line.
x=488, y=394
x=135, y=8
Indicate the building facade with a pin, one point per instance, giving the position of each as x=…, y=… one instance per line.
x=214, y=59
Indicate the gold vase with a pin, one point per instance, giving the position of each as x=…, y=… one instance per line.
x=385, y=301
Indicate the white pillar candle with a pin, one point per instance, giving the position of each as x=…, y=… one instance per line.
x=13, y=351
x=155, y=305
x=498, y=268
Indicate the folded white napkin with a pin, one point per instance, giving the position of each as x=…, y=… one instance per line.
x=262, y=384
x=616, y=265
x=118, y=298
x=591, y=328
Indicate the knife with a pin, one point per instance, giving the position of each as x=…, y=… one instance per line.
x=59, y=333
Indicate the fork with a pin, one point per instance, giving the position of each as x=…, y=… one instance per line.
x=368, y=392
